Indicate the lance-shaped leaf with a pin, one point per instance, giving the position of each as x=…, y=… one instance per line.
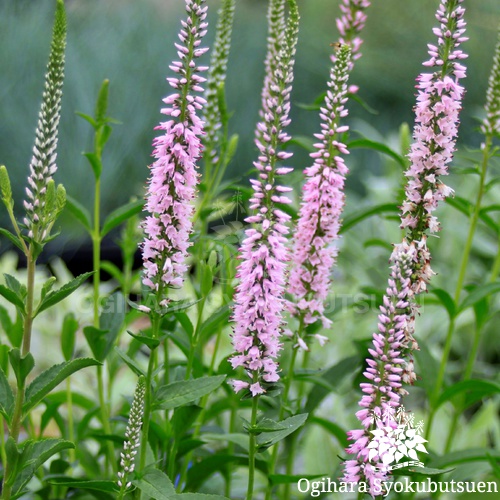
x=6, y=397
x=35, y=454
x=52, y=377
x=185, y=391
x=56, y=296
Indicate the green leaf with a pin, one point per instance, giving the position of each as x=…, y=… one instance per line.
x=377, y=146
x=151, y=342
x=354, y=219
x=446, y=300
x=333, y=375
x=47, y=286
x=304, y=142
x=475, y=390
x=461, y=204
x=428, y=365
x=101, y=106
x=130, y=363
x=105, y=486
x=183, y=418
x=12, y=238
x=217, y=320
x=56, y=296
x=52, y=377
x=207, y=279
x=242, y=440
x=22, y=366
x=79, y=212
x=291, y=424
x=87, y=118
x=199, y=496
x=478, y=294
x=113, y=270
x=112, y=318
x=185, y=322
x=35, y=454
x=156, y=484
x=95, y=163
x=463, y=457
x=13, y=456
x=419, y=471
x=185, y=391
x=14, y=331
x=265, y=425
x=377, y=242
x=12, y=297
x=121, y=214
x=68, y=335
x=6, y=397
x=333, y=428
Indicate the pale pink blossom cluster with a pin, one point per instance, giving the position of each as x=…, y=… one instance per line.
x=439, y=102
x=436, y=127
x=322, y=204
x=173, y=180
x=350, y=24
x=386, y=372
x=259, y=300
x=491, y=124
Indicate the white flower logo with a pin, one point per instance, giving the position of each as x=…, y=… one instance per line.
x=391, y=444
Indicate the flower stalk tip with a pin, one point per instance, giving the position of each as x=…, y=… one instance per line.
x=259, y=298
x=43, y=162
x=174, y=177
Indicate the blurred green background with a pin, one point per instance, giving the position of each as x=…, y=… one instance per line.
x=131, y=43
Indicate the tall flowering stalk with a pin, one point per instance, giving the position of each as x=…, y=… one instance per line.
x=350, y=24
x=323, y=192
x=216, y=80
x=259, y=297
x=322, y=203
x=276, y=21
x=40, y=204
x=172, y=184
x=173, y=179
x=491, y=123
x=132, y=433
x=436, y=127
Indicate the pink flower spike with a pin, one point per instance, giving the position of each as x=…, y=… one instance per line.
x=173, y=179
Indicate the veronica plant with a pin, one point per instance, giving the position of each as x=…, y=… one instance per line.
x=43, y=205
x=172, y=185
x=435, y=133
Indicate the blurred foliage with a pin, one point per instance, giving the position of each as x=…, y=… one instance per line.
x=131, y=43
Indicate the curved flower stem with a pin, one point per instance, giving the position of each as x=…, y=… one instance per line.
x=458, y=290
x=252, y=450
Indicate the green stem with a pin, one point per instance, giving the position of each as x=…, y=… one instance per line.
x=252, y=450
x=148, y=396
x=284, y=404
x=28, y=323
x=460, y=282
x=28, y=319
x=294, y=438
x=3, y=455
x=110, y=452
x=194, y=341
x=71, y=430
x=14, y=434
x=96, y=250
